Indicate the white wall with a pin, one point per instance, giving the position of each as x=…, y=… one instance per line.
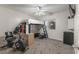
x=71, y=23
x=61, y=19
x=9, y=19
x=76, y=27
x=76, y=30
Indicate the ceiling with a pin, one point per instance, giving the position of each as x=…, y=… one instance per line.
x=31, y=9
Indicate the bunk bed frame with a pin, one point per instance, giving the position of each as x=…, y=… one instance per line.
x=37, y=22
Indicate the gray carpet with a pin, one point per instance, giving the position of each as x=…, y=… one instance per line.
x=42, y=46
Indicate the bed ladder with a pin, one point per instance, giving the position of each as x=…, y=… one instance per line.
x=45, y=30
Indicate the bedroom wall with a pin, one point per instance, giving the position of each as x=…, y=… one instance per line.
x=76, y=27
x=61, y=24
x=9, y=19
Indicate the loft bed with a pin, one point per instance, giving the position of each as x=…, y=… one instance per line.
x=42, y=32
x=32, y=23
x=26, y=27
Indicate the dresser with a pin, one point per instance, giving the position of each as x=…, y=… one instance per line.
x=68, y=38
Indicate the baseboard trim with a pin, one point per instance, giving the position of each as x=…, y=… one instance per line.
x=55, y=39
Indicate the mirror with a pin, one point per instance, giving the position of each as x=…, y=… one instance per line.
x=52, y=25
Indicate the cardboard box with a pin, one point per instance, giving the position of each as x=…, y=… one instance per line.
x=30, y=40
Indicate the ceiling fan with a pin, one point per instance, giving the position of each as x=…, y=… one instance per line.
x=40, y=11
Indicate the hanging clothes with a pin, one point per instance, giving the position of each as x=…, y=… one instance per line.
x=23, y=28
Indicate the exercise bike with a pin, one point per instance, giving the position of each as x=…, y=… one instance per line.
x=19, y=44
x=9, y=39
